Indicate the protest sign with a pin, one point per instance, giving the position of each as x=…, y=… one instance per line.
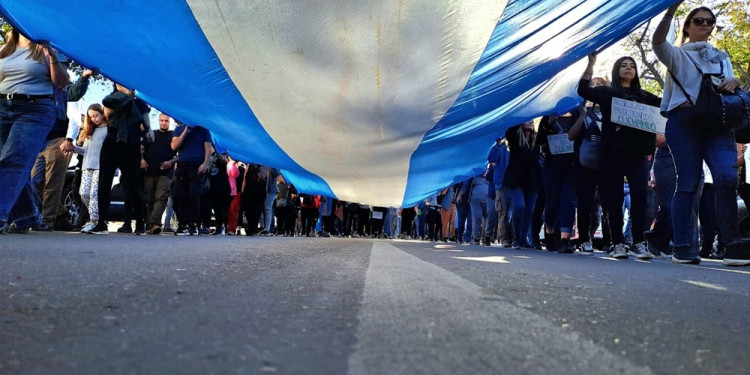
x=560, y=144
x=638, y=116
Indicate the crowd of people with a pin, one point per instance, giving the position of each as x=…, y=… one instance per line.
x=547, y=185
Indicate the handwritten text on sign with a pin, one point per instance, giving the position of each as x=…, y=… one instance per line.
x=637, y=115
x=559, y=144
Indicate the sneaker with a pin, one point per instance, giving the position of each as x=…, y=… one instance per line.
x=537, y=245
x=220, y=231
x=100, y=228
x=487, y=241
x=155, y=229
x=193, y=230
x=168, y=230
x=620, y=251
x=204, y=231
x=44, y=226
x=182, y=231
x=690, y=260
x=639, y=251
x=737, y=254
x=265, y=233
x=476, y=243
x=125, y=228
x=565, y=246
x=13, y=229
x=507, y=243
x=88, y=227
x=139, y=232
x=586, y=248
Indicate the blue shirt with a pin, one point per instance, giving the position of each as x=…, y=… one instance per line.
x=192, y=149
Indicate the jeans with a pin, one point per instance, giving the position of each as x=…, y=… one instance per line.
x=268, y=212
x=612, y=194
x=23, y=128
x=482, y=209
x=666, y=182
x=502, y=206
x=522, y=203
x=559, y=210
x=463, y=212
x=126, y=157
x=188, y=188
x=587, y=181
x=690, y=149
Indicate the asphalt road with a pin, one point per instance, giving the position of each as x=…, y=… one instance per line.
x=124, y=304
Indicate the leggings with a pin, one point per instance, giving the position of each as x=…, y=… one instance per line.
x=90, y=192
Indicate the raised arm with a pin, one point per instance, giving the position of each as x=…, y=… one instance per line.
x=662, y=30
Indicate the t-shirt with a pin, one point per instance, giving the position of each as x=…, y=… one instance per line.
x=192, y=149
x=24, y=76
x=158, y=151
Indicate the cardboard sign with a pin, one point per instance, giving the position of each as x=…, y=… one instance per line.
x=377, y=215
x=559, y=144
x=638, y=116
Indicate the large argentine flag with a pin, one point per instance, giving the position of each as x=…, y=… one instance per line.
x=381, y=102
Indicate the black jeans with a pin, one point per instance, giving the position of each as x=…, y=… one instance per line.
x=614, y=168
x=188, y=185
x=587, y=180
x=127, y=157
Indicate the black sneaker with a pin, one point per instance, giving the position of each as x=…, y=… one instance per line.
x=139, y=232
x=737, y=254
x=168, y=230
x=193, y=229
x=566, y=247
x=181, y=231
x=125, y=228
x=100, y=228
x=204, y=231
x=44, y=226
x=684, y=256
x=487, y=241
x=550, y=242
x=13, y=229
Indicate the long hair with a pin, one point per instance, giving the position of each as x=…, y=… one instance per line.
x=689, y=18
x=635, y=83
x=88, y=124
x=526, y=141
x=11, y=43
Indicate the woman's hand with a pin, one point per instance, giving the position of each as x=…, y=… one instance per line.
x=729, y=85
x=592, y=59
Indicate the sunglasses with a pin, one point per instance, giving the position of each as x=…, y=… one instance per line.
x=704, y=21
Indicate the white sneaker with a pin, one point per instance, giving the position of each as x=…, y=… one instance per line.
x=587, y=248
x=88, y=227
x=620, y=251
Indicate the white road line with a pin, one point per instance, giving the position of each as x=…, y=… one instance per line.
x=418, y=318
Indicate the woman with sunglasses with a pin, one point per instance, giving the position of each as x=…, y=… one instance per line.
x=690, y=146
x=625, y=153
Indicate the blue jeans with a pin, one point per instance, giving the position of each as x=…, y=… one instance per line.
x=268, y=212
x=463, y=229
x=560, y=208
x=24, y=126
x=482, y=208
x=522, y=206
x=689, y=149
x=666, y=181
